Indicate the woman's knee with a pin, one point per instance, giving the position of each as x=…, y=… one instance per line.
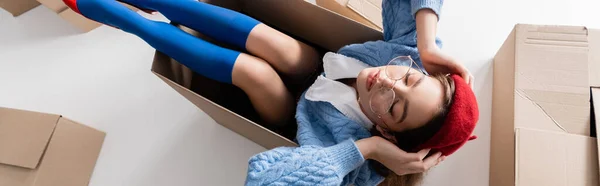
x=251, y=72
x=283, y=52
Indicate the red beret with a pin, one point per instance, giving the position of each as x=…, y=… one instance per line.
x=460, y=121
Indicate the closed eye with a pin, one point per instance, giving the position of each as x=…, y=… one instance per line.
x=392, y=107
x=406, y=79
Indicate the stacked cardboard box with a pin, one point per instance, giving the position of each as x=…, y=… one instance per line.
x=544, y=81
x=38, y=149
x=18, y=7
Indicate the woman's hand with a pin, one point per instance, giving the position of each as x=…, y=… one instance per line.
x=395, y=159
x=435, y=61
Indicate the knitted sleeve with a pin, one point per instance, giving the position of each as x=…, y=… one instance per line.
x=399, y=17
x=435, y=5
x=305, y=165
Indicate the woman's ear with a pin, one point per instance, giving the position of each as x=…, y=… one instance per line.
x=387, y=135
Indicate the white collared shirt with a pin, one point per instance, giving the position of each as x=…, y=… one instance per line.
x=340, y=95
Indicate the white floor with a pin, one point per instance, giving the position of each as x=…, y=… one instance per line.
x=156, y=137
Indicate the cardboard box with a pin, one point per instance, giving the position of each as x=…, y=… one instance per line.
x=228, y=105
x=541, y=107
x=59, y=7
x=38, y=149
x=340, y=7
x=367, y=12
x=18, y=7
x=369, y=9
x=81, y=22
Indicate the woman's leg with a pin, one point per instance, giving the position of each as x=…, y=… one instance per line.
x=283, y=52
x=265, y=88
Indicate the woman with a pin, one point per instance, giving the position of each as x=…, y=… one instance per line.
x=374, y=86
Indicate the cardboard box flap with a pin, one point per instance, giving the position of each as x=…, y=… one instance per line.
x=340, y=8
x=231, y=120
x=370, y=9
x=24, y=136
x=594, y=58
x=71, y=155
x=18, y=7
x=56, y=6
x=552, y=79
x=555, y=159
x=298, y=18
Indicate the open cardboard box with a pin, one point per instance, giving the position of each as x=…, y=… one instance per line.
x=542, y=127
x=38, y=149
x=228, y=105
x=18, y=7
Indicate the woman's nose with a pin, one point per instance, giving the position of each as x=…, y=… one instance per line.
x=384, y=81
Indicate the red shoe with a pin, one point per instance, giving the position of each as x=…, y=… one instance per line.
x=73, y=5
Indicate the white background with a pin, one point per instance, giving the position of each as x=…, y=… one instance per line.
x=156, y=137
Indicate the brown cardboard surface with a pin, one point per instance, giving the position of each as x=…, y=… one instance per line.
x=56, y=6
x=552, y=78
x=231, y=120
x=23, y=136
x=71, y=155
x=542, y=76
x=79, y=21
x=369, y=9
x=227, y=104
x=555, y=159
x=594, y=69
x=68, y=153
x=340, y=8
x=18, y=7
x=297, y=18
x=502, y=142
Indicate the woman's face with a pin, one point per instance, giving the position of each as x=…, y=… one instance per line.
x=417, y=98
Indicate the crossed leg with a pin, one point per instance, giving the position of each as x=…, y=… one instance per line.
x=255, y=75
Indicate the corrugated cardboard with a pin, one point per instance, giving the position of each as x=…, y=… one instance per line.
x=339, y=6
x=38, y=149
x=54, y=5
x=542, y=77
x=228, y=105
x=18, y=7
x=369, y=9
x=555, y=159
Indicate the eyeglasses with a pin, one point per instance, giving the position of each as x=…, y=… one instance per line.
x=381, y=101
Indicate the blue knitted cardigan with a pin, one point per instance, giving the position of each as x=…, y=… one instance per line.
x=327, y=154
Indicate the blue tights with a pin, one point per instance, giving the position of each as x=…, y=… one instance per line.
x=200, y=56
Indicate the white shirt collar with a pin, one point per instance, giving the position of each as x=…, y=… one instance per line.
x=340, y=95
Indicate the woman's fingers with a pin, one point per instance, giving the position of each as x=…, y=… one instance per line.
x=423, y=165
x=422, y=154
x=432, y=160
